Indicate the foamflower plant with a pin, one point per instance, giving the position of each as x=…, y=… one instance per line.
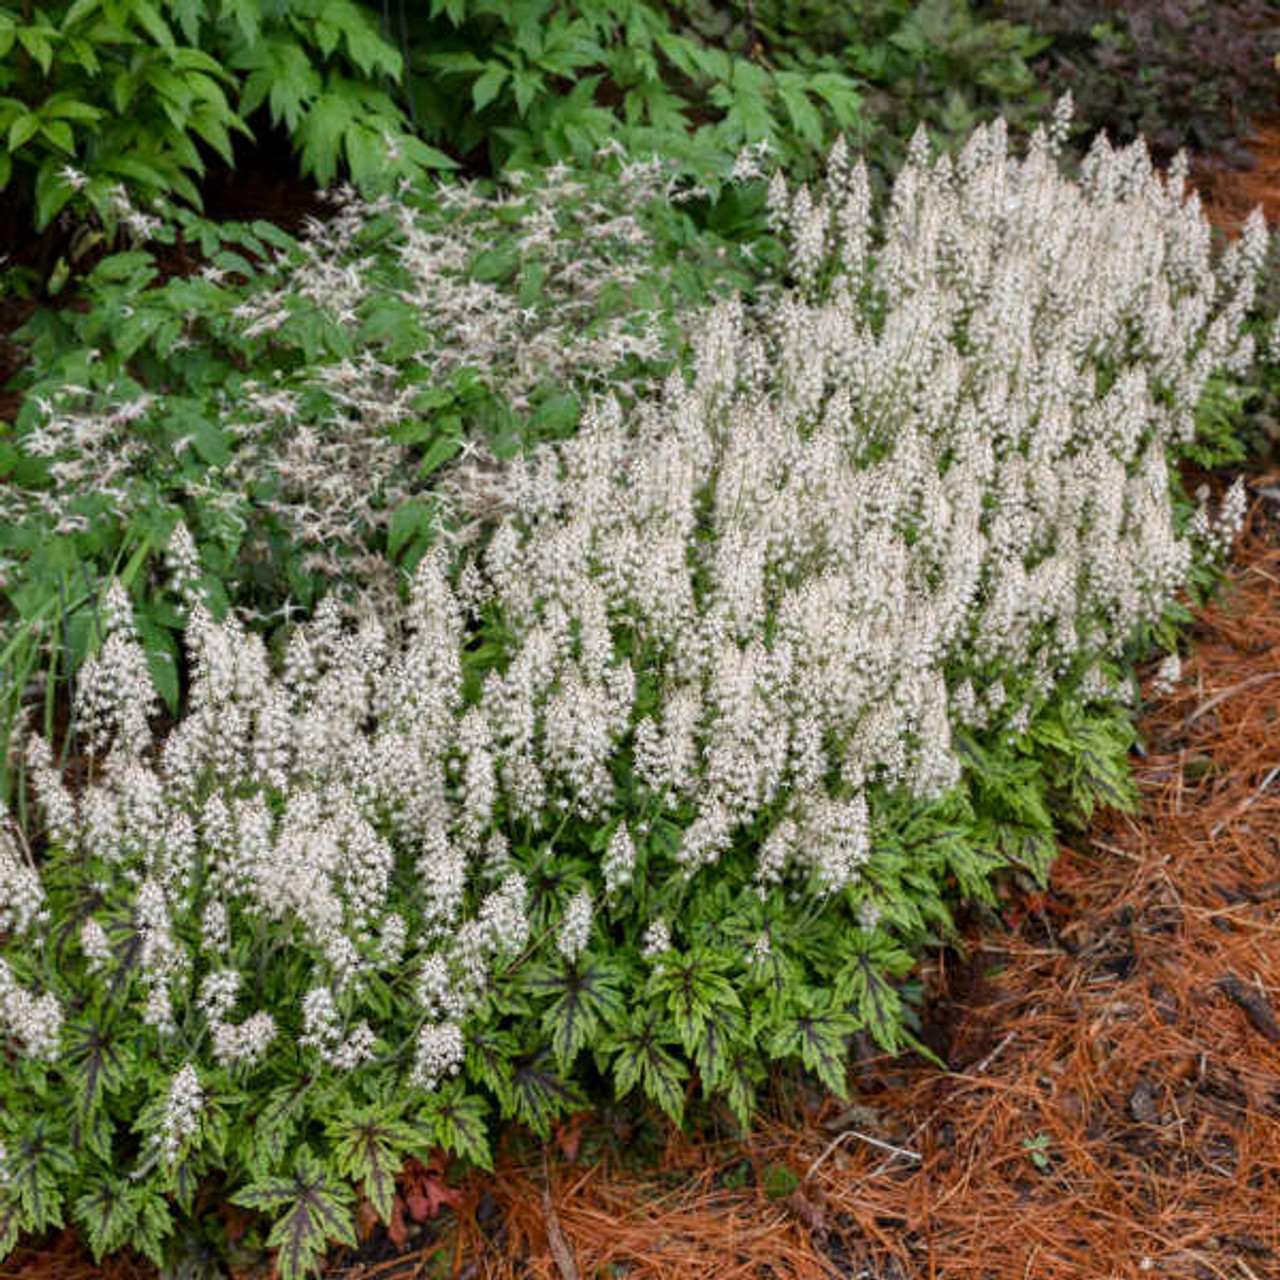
x=671, y=767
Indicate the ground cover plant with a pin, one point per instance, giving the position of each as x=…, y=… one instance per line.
x=1089, y=1029
x=667, y=768
x=300, y=414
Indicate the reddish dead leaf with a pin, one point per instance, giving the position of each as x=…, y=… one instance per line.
x=425, y=1189
x=808, y=1211
x=366, y=1218
x=236, y=1222
x=396, y=1231
x=569, y=1137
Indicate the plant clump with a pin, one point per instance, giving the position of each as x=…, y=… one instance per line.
x=672, y=768
x=301, y=415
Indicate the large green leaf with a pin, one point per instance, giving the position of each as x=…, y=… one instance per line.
x=98, y=1066
x=116, y=1214
x=817, y=1033
x=864, y=981
x=640, y=1057
x=537, y=1094
x=702, y=1003
x=457, y=1119
x=38, y=1163
x=317, y=1210
x=370, y=1146
x=587, y=996
x=275, y=1123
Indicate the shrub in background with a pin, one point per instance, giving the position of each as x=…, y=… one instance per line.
x=102, y=95
x=1181, y=73
x=533, y=82
x=111, y=99
x=942, y=62
x=697, y=80
x=665, y=772
x=301, y=414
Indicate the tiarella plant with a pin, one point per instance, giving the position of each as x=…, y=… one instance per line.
x=300, y=415
x=668, y=766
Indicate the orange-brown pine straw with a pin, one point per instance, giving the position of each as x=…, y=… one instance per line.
x=1231, y=194
x=1112, y=1107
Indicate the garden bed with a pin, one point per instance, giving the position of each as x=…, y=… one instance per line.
x=1111, y=1102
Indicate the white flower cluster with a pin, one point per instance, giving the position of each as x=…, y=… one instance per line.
x=440, y=1053
x=657, y=939
x=575, y=928
x=114, y=693
x=182, y=1112
x=323, y=1033
x=619, y=861
x=36, y=1021
x=893, y=501
x=21, y=894
x=232, y=1042
x=908, y=465
x=1168, y=673
x=95, y=944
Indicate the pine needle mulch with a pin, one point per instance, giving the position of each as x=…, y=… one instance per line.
x=1229, y=195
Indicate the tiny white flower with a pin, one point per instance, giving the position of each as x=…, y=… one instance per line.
x=657, y=939
x=1168, y=673
x=575, y=928
x=181, y=1120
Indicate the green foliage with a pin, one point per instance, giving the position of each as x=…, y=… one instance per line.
x=315, y=1211
x=1221, y=424
x=108, y=104
x=182, y=348
x=97, y=94
x=293, y=1148
x=945, y=63
x=752, y=982
x=534, y=82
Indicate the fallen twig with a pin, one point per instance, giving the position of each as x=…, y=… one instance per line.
x=863, y=1137
x=1255, y=1005
x=560, y=1250
x=1251, y=800
x=1261, y=678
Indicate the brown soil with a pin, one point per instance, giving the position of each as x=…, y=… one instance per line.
x=1111, y=1102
